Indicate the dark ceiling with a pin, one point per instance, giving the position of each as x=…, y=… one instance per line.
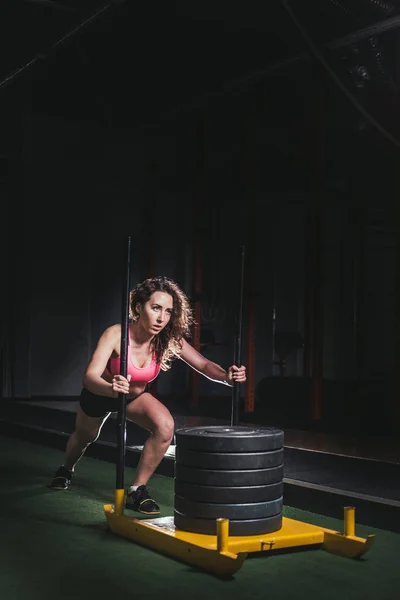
x=148, y=58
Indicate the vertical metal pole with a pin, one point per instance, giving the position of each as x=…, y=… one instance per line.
x=121, y=420
x=238, y=345
x=250, y=358
x=254, y=115
x=317, y=321
x=394, y=397
x=199, y=234
x=198, y=268
x=313, y=326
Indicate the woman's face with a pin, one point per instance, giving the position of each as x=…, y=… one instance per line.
x=156, y=313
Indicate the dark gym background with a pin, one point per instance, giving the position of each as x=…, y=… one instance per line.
x=196, y=127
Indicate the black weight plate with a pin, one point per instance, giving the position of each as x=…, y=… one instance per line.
x=228, y=460
x=240, y=527
x=250, y=511
x=239, y=438
x=231, y=478
x=208, y=493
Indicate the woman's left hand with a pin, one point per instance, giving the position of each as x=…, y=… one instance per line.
x=236, y=374
x=120, y=385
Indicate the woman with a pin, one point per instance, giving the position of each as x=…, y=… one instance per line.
x=160, y=322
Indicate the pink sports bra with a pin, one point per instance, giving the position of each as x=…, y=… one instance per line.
x=138, y=375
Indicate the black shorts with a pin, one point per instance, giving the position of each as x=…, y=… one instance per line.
x=99, y=406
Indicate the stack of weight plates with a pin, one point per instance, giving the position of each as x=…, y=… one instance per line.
x=231, y=472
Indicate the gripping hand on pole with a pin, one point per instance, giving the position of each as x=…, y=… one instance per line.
x=236, y=374
x=120, y=385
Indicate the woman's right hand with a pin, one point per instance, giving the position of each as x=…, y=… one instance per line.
x=120, y=385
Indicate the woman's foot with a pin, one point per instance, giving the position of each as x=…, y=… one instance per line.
x=141, y=501
x=62, y=479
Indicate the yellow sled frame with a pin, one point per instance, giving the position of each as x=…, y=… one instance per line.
x=222, y=554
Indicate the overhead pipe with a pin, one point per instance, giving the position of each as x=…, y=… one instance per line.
x=364, y=33
x=45, y=53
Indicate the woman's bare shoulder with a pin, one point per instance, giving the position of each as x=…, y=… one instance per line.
x=112, y=333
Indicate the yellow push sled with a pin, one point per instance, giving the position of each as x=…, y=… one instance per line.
x=220, y=554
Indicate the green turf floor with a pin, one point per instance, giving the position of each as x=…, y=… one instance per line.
x=56, y=545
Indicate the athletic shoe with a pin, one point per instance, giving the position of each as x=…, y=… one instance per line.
x=61, y=479
x=142, y=502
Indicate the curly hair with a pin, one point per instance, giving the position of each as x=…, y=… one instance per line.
x=167, y=344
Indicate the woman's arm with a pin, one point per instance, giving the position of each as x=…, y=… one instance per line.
x=92, y=377
x=210, y=369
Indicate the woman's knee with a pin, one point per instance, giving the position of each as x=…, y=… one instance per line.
x=165, y=428
x=147, y=412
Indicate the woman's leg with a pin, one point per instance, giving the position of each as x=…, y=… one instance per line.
x=147, y=412
x=87, y=430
